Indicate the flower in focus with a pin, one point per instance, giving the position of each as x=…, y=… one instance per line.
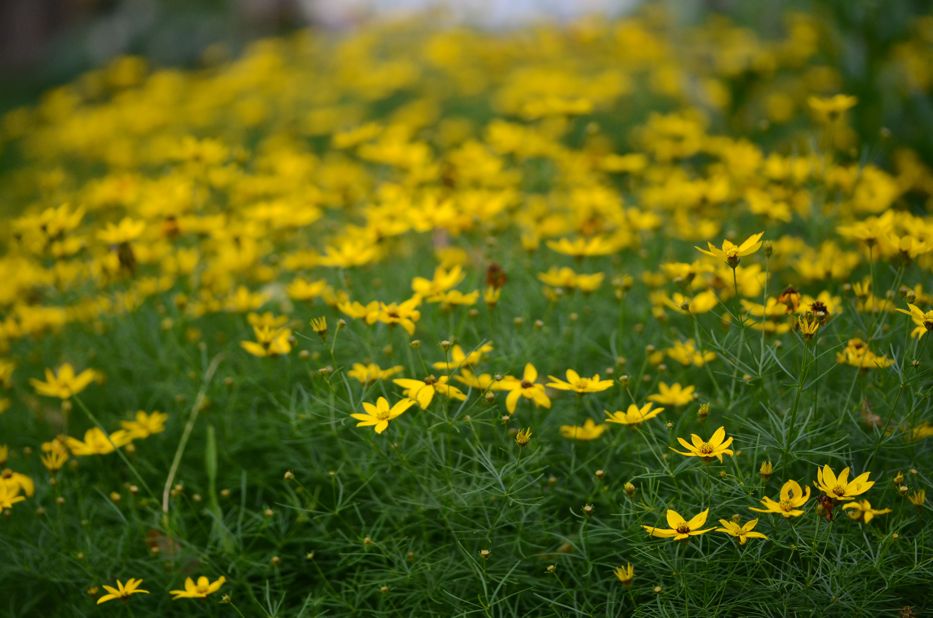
x=122, y=590
x=63, y=383
x=732, y=253
x=199, y=590
x=378, y=416
x=423, y=391
x=923, y=321
x=633, y=415
x=526, y=387
x=741, y=532
x=717, y=446
x=579, y=384
x=679, y=528
x=590, y=430
x=791, y=499
x=523, y=437
x=839, y=487
x=861, y=510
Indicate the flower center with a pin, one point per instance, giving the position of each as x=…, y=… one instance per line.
x=683, y=529
x=839, y=490
x=786, y=505
x=705, y=449
x=527, y=384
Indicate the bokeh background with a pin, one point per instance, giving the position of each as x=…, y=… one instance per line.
x=47, y=42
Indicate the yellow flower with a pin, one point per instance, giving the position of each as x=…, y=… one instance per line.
x=918, y=497
x=443, y=281
x=808, y=325
x=679, y=528
x=379, y=415
x=732, y=253
x=96, y=442
x=404, y=314
x=454, y=297
x=270, y=341
x=828, y=109
x=858, y=355
x=861, y=510
x=579, y=384
x=523, y=437
x=371, y=372
x=54, y=455
x=625, y=574
x=633, y=415
x=63, y=383
x=459, y=359
x=483, y=382
x=792, y=498
x=717, y=446
x=6, y=372
x=145, y=424
x=741, y=532
x=840, y=488
x=127, y=230
x=685, y=353
x=567, y=278
x=198, y=590
x=527, y=387
x=16, y=479
x=581, y=247
x=319, y=326
x=590, y=430
x=423, y=391
x=122, y=590
x=9, y=495
x=673, y=395
x=923, y=321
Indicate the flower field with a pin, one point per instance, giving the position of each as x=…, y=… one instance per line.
x=614, y=317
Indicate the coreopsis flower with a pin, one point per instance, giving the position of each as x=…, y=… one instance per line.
x=582, y=247
x=371, y=372
x=703, y=302
x=766, y=469
x=304, y=290
x=270, y=341
x=54, y=455
x=482, y=382
x=96, y=442
x=126, y=231
x=828, y=109
x=717, y=446
x=673, y=395
x=459, y=359
x=808, y=325
x=6, y=372
x=679, y=528
x=625, y=574
x=566, y=278
x=423, y=391
x=442, y=281
x=578, y=384
x=145, y=424
x=590, y=430
x=122, y=590
x=523, y=437
x=405, y=314
x=9, y=495
x=791, y=499
x=633, y=415
x=198, y=590
x=923, y=321
x=319, y=326
x=63, y=383
x=861, y=510
x=741, y=532
x=19, y=480
x=4, y=454
x=685, y=353
x=453, y=298
x=731, y=253
x=491, y=296
x=526, y=387
x=378, y=416
x=918, y=497
x=840, y=487
x=857, y=354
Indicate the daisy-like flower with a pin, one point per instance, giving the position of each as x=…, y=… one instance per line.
x=680, y=528
x=378, y=416
x=828, y=109
x=791, y=499
x=633, y=415
x=731, y=253
x=588, y=431
x=9, y=495
x=145, y=424
x=443, y=281
x=526, y=387
x=861, y=510
x=96, y=442
x=717, y=446
x=923, y=321
x=270, y=341
x=741, y=532
x=460, y=359
x=840, y=487
x=371, y=372
x=199, y=590
x=523, y=437
x=579, y=384
x=482, y=382
x=404, y=314
x=423, y=391
x=64, y=382
x=54, y=455
x=582, y=247
x=673, y=395
x=122, y=591
x=20, y=481
x=625, y=574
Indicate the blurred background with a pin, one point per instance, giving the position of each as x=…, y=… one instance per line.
x=48, y=42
